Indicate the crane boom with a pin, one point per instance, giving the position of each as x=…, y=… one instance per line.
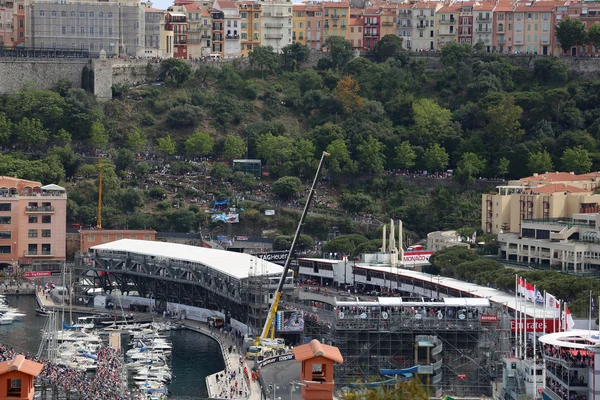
x=288, y=260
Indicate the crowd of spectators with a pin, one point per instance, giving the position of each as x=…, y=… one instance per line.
x=577, y=358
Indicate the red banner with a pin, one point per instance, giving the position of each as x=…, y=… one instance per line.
x=489, y=318
x=35, y=274
x=551, y=325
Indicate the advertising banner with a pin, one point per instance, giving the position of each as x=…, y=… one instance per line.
x=269, y=212
x=273, y=256
x=233, y=218
x=489, y=318
x=218, y=218
x=36, y=274
x=538, y=325
x=416, y=257
x=271, y=360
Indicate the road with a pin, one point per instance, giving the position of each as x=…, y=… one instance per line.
x=282, y=374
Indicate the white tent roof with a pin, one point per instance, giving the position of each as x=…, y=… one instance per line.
x=238, y=265
x=573, y=339
x=52, y=186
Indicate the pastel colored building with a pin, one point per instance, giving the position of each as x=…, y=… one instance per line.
x=388, y=20
x=6, y=24
x=93, y=237
x=18, y=22
x=335, y=18
x=299, y=24
x=371, y=27
x=176, y=22
x=465, y=23
x=423, y=32
x=17, y=378
x=217, y=18
x=502, y=28
x=447, y=25
x=231, y=28
x=533, y=29
x=314, y=26
x=355, y=33
x=198, y=31
x=33, y=223
x=404, y=25
x=250, y=17
x=276, y=24
x=484, y=19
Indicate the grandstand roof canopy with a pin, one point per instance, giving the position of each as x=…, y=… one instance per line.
x=468, y=289
x=237, y=265
x=397, y=302
x=573, y=339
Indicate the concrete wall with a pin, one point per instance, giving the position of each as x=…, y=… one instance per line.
x=17, y=72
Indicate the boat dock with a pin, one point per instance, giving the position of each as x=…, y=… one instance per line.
x=219, y=384
x=114, y=340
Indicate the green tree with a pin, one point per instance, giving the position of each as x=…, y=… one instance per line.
x=346, y=92
x=274, y=149
x=339, y=158
x=234, y=147
x=287, y=186
x=131, y=199
x=503, y=127
x=356, y=202
x=294, y=54
x=310, y=79
x=166, y=145
x=370, y=155
x=344, y=244
x=142, y=169
x=436, y=158
x=6, y=128
x=570, y=32
x=184, y=116
x=468, y=167
x=263, y=57
x=284, y=242
x=502, y=167
x=453, y=53
x=98, y=136
x=405, y=155
x=31, y=132
x=61, y=138
x=390, y=46
x=136, y=140
x=593, y=35
x=220, y=171
x=550, y=70
x=539, y=162
x=340, y=50
x=157, y=193
x=432, y=123
x=576, y=160
x=175, y=70
x=200, y=144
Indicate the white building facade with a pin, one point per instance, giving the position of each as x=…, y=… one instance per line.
x=276, y=24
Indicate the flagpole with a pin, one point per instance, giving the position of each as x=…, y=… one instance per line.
x=516, y=317
x=525, y=327
x=521, y=325
x=534, y=334
x=544, y=332
x=599, y=316
x=590, y=315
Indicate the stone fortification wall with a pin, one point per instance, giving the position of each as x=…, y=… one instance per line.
x=15, y=73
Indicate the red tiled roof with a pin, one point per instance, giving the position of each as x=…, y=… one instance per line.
x=191, y=7
x=19, y=363
x=356, y=22
x=317, y=349
x=156, y=10
x=559, y=188
x=451, y=8
x=484, y=7
x=298, y=7
x=336, y=4
x=404, y=6
x=554, y=177
x=227, y=4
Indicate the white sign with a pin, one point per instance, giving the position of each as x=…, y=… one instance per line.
x=417, y=257
x=269, y=212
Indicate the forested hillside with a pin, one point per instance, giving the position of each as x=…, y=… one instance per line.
x=480, y=117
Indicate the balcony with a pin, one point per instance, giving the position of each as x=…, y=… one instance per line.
x=217, y=38
x=34, y=210
x=483, y=19
x=256, y=6
x=371, y=34
x=421, y=16
x=447, y=21
x=232, y=37
x=421, y=27
x=335, y=16
x=387, y=23
x=404, y=14
x=205, y=36
x=483, y=30
x=43, y=253
x=277, y=36
x=217, y=27
x=272, y=25
x=313, y=39
x=326, y=26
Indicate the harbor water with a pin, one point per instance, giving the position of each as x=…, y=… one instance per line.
x=194, y=356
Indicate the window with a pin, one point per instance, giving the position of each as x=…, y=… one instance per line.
x=100, y=14
x=54, y=13
x=46, y=219
x=46, y=249
x=33, y=219
x=32, y=233
x=244, y=36
x=91, y=30
x=104, y=238
x=109, y=15
x=256, y=25
x=81, y=14
x=91, y=14
x=5, y=206
x=46, y=233
x=82, y=30
x=63, y=30
x=110, y=31
x=73, y=14
x=244, y=25
x=5, y=235
x=63, y=13
x=5, y=220
x=32, y=249
x=72, y=30
x=14, y=388
x=42, y=13
x=5, y=250
x=100, y=31
x=146, y=237
x=119, y=237
x=91, y=238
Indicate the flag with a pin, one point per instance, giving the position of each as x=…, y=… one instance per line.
x=552, y=304
x=521, y=286
x=539, y=297
x=529, y=291
x=474, y=238
x=592, y=304
x=569, y=323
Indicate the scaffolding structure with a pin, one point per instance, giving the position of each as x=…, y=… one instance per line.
x=455, y=350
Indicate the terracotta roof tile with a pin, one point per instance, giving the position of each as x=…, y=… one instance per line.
x=227, y=4
x=559, y=188
x=336, y=4
x=317, y=349
x=19, y=363
x=554, y=177
x=156, y=10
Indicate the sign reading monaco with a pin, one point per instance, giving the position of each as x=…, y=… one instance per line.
x=551, y=325
x=416, y=258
